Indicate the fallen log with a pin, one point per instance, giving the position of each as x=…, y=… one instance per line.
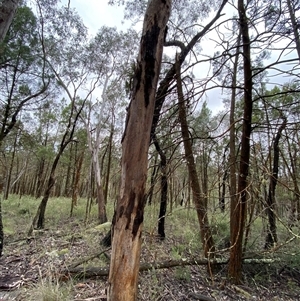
x=93, y=272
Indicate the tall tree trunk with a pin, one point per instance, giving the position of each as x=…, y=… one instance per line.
x=232, y=135
x=199, y=200
x=129, y=213
x=271, y=238
x=239, y=208
x=7, y=12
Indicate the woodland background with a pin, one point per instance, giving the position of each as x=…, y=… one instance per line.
x=65, y=94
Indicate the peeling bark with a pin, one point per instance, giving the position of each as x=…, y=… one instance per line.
x=128, y=217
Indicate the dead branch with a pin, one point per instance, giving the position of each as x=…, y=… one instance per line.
x=86, y=259
x=93, y=272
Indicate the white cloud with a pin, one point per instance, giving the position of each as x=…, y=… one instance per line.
x=97, y=13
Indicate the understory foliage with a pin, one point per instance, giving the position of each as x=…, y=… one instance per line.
x=66, y=97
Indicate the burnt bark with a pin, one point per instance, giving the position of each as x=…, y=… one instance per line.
x=129, y=213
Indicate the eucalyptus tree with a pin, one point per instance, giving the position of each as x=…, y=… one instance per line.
x=128, y=216
x=183, y=35
x=64, y=42
x=239, y=207
x=44, y=130
x=280, y=117
x=22, y=70
x=22, y=67
x=111, y=57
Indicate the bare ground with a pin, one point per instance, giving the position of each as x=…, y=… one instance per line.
x=30, y=270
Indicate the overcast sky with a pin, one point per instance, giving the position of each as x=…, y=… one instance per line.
x=96, y=13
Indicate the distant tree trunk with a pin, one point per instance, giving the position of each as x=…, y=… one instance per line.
x=271, y=238
x=40, y=215
x=75, y=188
x=66, y=139
x=223, y=183
x=163, y=189
x=292, y=167
x=239, y=208
x=102, y=218
x=67, y=190
x=108, y=163
x=129, y=213
x=40, y=178
x=152, y=181
x=7, y=12
x=94, y=147
x=10, y=169
x=199, y=200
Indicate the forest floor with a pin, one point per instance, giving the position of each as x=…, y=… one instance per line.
x=34, y=268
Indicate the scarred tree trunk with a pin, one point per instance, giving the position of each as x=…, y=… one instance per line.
x=199, y=200
x=7, y=13
x=128, y=217
x=239, y=209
